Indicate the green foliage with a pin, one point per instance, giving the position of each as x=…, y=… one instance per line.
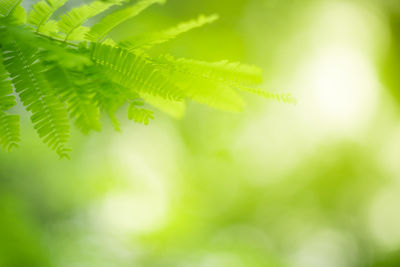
x=100, y=30
x=71, y=22
x=136, y=43
x=139, y=115
x=9, y=124
x=7, y=6
x=49, y=115
x=134, y=72
x=62, y=70
x=42, y=11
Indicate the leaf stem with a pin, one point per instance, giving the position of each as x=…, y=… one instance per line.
x=55, y=39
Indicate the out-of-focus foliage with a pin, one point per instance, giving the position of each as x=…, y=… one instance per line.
x=391, y=63
x=277, y=186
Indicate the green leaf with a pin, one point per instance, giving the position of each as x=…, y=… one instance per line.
x=7, y=6
x=76, y=17
x=58, y=80
x=232, y=73
x=197, y=86
x=50, y=28
x=134, y=72
x=7, y=100
x=150, y=40
x=79, y=33
x=9, y=124
x=49, y=115
x=42, y=12
x=9, y=131
x=138, y=114
x=17, y=16
x=101, y=29
x=173, y=108
x=280, y=97
x=77, y=91
x=108, y=96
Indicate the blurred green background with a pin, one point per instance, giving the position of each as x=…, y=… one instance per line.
x=312, y=185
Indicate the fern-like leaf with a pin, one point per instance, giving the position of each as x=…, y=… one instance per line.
x=49, y=116
x=7, y=100
x=59, y=76
x=134, y=72
x=7, y=6
x=101, y=29
x=199, y=87
x=50, y=28
x=9, y=124
x=9, y=131
x=280, y=97
x=139, y=114
x=76, y=90
x=42, y=12
x=175, y=109
x=233, y=73
x=107, y=96
x=15, y=16
x=150, y=40
x=110, y=97
x=71, y=21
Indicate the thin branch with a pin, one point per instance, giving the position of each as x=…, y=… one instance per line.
x=55, y=39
